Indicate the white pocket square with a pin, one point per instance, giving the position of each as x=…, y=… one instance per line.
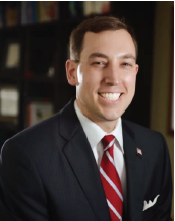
x=150, y=204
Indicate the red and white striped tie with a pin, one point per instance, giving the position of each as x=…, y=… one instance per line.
x=110, y=179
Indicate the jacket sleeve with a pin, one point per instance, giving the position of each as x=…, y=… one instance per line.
x=22, y=190
x=164, y=209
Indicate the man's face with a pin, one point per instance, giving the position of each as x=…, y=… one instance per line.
x=105, y=76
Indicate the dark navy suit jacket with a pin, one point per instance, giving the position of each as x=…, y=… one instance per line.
x=48, y=172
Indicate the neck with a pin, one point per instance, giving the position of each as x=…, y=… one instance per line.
x=107, y=126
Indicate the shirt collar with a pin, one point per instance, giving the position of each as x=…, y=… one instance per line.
x=94, y=133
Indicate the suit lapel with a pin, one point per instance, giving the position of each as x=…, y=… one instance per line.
x=134, y=174
x=82, y=161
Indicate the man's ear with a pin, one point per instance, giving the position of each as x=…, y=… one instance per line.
x=137, y=68
x=71, y=72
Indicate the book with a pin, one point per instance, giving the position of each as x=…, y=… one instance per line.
x=13, y=55
x=38, y=11
x=29, y=12
x=9, y=102
x=48, y=11
x=96, y=7
x=75, y=8
x=12, y=13
x=38, y=111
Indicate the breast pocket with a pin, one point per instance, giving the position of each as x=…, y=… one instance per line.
x=151, y=213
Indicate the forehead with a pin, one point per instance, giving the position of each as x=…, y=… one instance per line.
x=107, y=42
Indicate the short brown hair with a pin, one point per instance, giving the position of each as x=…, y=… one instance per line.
x=96, y=24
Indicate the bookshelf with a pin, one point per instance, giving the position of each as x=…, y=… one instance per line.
x=33, y=49
x=38, y=33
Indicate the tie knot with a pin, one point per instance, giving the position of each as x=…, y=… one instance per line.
x=108, y=141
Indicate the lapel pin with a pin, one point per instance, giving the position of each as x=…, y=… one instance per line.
x=139, y=152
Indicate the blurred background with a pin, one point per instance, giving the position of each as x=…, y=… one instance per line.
x=34, y=40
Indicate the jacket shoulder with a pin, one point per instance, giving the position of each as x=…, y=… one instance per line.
x=139, y=129
x=40, y=130
x=42, y=137
x=143, y=135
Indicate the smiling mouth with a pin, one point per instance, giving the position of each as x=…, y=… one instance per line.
x=110, y=96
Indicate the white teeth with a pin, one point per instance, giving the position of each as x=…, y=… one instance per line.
x=111, y=96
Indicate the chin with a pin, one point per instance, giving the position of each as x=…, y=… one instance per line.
x=112, y=118
x=114, y=115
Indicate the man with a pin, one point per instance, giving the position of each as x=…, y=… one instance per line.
x=86, y=163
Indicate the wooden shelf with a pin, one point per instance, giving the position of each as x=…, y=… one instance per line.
x=14, y=75
x=9, y=125
x=39, y=79
x=5, y=79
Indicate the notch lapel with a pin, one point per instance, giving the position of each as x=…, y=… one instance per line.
x=82, y=161
x=134, y=174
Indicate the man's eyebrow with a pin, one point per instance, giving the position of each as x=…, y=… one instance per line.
x=125, y=56
x=98, y=55
x=128, y=56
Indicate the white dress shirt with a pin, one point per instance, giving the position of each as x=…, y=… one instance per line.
x=95, y=134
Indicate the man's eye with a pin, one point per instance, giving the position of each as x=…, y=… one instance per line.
x=99, y=63
x=127, y=64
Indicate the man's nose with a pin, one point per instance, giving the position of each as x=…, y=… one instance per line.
x=113, y=75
